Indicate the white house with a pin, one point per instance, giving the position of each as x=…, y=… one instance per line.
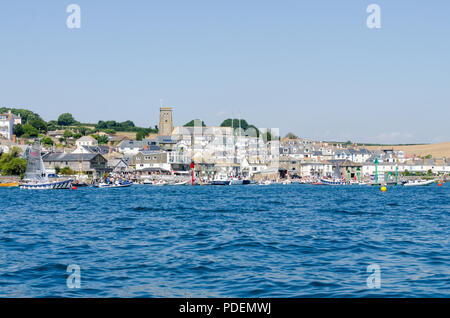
x=84, y=143
x=6, y=125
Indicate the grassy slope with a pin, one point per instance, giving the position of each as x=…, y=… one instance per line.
x=436, y=150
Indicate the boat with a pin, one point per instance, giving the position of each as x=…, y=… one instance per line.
x=116, y=184
x=236, y=181
x=332, y=182
x=79, y=184
x=415, y=183
x=181, y=182
x=220, y=182
x=9, y=185
x=221, y=179
x=35, y=177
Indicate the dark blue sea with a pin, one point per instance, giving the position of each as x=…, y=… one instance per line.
x=236, y=241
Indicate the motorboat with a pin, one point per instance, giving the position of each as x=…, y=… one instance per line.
x=116, y=184
x=415, y=183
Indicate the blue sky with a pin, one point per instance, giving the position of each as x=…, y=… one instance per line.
x=310, y=67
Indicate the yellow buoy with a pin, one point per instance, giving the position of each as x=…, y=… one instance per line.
x=383, y=189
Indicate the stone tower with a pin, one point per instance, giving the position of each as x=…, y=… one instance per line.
x=165, y=121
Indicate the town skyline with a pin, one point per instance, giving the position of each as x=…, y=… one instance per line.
x=182, y=122
x=277, y=66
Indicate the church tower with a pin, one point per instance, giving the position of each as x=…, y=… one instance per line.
x=165, y=121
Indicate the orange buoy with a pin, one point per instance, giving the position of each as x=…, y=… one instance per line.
x=439, y=184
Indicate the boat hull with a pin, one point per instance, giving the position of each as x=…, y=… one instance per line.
x=419, y=184
x=329, y=182
x=220, y=182
x=59, y=185
x=9, y=185
x=110, y=186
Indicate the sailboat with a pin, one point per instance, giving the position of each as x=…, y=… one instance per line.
x=79, y=183
x=35, y=177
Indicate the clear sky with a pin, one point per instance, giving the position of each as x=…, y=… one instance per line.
x=310, y=67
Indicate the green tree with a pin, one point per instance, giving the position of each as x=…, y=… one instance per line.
x=12, y=164
x=66, y=119
x=347, y=143
x=18, y=130
x=140, y=135
x=39, y=124
x=47, y=141
x=101, y=139
x=291, y=136
x=66, y=171
x=236, y=123
x=195, y=122
x=67, y=134
x=29, y=131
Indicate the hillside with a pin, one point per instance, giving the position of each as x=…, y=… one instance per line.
x=436, y=150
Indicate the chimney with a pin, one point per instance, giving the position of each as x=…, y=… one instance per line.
x=14, y=138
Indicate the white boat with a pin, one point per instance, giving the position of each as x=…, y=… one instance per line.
x=181, y=182
x=221, y=179
x=415, y=183
x=35, y=177
x=332, y=182
x=117, y=184
x=236, y=181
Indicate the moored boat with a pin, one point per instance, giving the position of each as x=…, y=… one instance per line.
x=220, y=182
x=9, y=185
x=117, y=184
x=416, y=183
x=332, y=182
x=35, y=177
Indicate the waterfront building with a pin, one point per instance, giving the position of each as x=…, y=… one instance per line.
x=118, y=165
x=92, y=164
x=152, y=159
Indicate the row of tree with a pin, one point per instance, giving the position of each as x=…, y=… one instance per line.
x=33, y=125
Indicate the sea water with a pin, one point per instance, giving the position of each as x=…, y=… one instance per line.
x=231, y=241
